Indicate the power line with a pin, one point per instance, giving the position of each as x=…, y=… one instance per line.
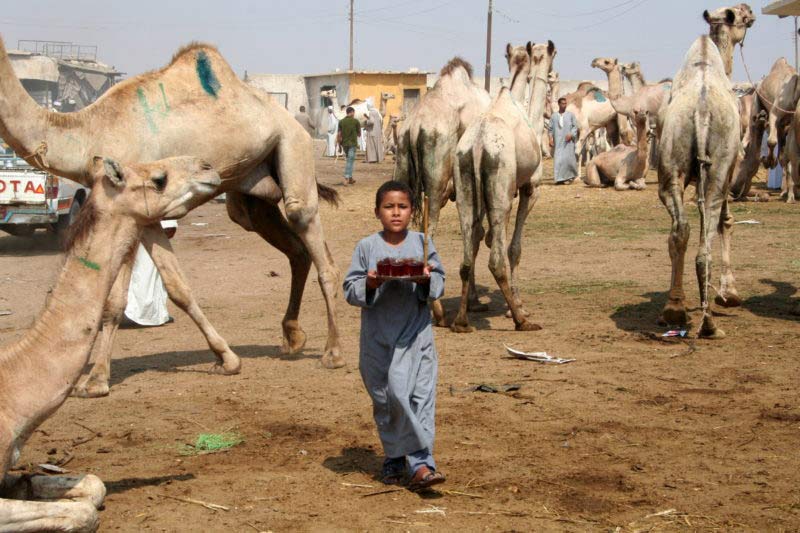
x=585, y=13
x=601, y=22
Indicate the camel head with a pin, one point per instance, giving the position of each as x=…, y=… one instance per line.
x=329, y=93
x=168, y=188
x=543, y=55
x=519, y=61
x=606, y=64
x=387, y=96
x=631, y=69
x=734, y=20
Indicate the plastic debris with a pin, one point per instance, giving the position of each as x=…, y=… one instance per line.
x=5, y=312
x=748, y=221
x=539, y=357
x=201, y=224
x=675, y=333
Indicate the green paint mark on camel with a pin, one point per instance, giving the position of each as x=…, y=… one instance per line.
x=89, y=264
x=159, y=110
x=208, y=80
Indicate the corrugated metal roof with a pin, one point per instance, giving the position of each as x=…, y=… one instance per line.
x=782, y=8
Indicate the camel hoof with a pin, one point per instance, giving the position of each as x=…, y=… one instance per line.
x=440, y=322
x=221, y=369
x=477, y=307
x=675, y=314
x=294, y=339
x=91, y=389
x=730, y=300
x=711, y=333
x=461, y=327
x=332, y=361
x=527, y=326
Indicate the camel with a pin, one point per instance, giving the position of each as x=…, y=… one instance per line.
x=385, y=97
x=593, y=110
x=623, y=167
x=790, y=189
x=390, y=137
x=699, y=143
x=745, y=95
x=610, y=65
x=38, y=371
x=645, y=97
x=427, y=144
x=774, y=95
x=359, y=106
x=198, y=106
x=498, y=158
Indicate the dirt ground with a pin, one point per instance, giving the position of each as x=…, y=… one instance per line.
x=637, y=434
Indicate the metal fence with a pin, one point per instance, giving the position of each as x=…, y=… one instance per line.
x=60, y=49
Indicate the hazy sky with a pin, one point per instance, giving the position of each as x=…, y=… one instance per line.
x=311, y=36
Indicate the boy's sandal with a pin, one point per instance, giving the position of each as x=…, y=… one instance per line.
x=392, y=478
x=424, y=477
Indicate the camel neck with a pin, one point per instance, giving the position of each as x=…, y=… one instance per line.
x=615, y=83
x=538, y=92
x=519, y=84
x=637, y=81
x=45, y=363
x=47, y=140
x=721, y=35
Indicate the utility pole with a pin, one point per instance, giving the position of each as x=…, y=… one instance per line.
x=487, y=80
x=351, y=34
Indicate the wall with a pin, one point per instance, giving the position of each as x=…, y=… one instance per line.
x=292, y=84
x=364, y=85
x=314, y=85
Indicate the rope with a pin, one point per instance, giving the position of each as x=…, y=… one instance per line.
x=758, y=87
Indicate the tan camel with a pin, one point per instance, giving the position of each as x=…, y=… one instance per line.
x=699, y=143
x=593, y=110
x=198, y=106
x=385, y=97
x=427, y=144
x=777, y=92
x=727, y=27
x=499, y=158
x=744, y=93
x=610, y=65
x=790, y=158
x=623, y=167
x=390, y=137
x=646, y=97
x=38, y=371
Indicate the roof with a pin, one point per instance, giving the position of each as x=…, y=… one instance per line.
x=782, y=8
x=410, y=72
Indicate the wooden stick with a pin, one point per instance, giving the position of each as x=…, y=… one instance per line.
x=425, y=203
x=212, y=506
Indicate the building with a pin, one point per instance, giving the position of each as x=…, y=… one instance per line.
x=289, y=90
x=61, y=75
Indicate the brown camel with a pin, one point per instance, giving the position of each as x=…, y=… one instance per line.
x=774, y=95
x=623, y=167
x=699, y=143
x=427, y=144
x=498, y=158
x=38, y=371
x=195, y=105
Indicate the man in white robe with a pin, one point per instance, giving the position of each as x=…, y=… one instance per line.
x=332, y=130
x=374, y=139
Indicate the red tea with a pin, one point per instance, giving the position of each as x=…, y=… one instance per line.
x=397, y=268
x=415, y=267
x=384, y=267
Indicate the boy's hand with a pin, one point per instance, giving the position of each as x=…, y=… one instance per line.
x=372, y=280
x=426, y=271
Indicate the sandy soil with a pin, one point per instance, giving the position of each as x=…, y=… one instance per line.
x=637, y=433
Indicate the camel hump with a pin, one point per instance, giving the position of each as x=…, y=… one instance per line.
x=193, y=46
x=456, y=63
x=356, y=101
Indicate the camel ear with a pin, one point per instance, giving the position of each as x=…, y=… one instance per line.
x=551, y=48
x=508, y=50
x=706, y=16
x=529, y=48
x=104, y=167
x=730, y=16
x=614, y=60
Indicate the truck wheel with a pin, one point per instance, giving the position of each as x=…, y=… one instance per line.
x=19, y=230
x=65, y=221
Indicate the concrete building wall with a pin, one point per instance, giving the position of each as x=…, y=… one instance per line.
x=289, y=90
x=315, y=84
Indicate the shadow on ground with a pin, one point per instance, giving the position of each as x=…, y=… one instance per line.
x=777, y=304
x=40, y=243
x=126, y=484
x=126, y=367
x=641, y=316
x=356, y=459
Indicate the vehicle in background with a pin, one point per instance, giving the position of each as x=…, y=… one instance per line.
x=31, y=199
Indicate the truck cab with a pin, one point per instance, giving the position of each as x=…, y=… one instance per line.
x=31, y=199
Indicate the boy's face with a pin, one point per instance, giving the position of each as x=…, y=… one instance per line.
x=394, y=211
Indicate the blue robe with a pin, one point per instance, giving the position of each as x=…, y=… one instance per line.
x=397, y=360
x=565, y=165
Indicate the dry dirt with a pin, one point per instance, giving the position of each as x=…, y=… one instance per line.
x=637, y=434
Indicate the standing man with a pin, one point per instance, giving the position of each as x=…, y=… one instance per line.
x=563, y=131
x=374, y=138
x=349, y=133
x=332, y=129
x=305, y=121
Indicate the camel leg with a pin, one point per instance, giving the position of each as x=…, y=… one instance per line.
x=671, y=194
x=88, y=488
x=158, y=246
x=438, y=199
x=301, y=203
x=639, y=184
x=728, y=295
x=25, y=516
x=592, y=178
x=267, y=220
x=710, y=206
x=527, y=199
x=620, y=183
x=95, y=385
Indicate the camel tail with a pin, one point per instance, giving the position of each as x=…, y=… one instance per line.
x=416, y=169
x=328, y=194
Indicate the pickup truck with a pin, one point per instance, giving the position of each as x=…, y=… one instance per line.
x=31, y=199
